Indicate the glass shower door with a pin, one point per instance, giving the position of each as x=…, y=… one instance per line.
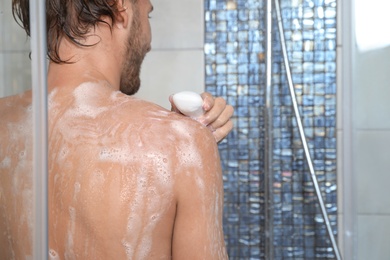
x=16, y=182
x=23, y=135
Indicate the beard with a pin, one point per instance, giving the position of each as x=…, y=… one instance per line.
x=135, y=52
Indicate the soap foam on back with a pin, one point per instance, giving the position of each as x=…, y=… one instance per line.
x=84, y=101
x=16, y=168
x=147, y=175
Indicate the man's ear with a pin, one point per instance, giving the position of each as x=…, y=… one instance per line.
x=124, y=13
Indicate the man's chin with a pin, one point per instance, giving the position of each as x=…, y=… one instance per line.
x=130, y=89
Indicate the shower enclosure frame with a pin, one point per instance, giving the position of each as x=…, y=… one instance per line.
x=40, y=128
x=347, y=35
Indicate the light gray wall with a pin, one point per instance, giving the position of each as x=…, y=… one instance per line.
x=176, y=62
x=15, y=75
x=372, y=161
x=369, y=111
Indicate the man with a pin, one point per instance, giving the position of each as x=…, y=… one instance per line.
x=127, y=178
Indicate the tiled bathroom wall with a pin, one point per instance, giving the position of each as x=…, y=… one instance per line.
x=177, y=63
x=235, y=50
x=15, y=68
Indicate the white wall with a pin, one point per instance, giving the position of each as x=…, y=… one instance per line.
x=176, y=61
x=369, y=112
x=372, y=161
x=15, y=75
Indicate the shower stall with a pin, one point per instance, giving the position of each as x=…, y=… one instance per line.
x=271, y=206
x=255, y=52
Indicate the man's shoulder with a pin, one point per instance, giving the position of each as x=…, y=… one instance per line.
x=140, y=121
x=16, y=109
x=155, y=120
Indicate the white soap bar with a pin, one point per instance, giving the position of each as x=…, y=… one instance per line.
x=189, y=103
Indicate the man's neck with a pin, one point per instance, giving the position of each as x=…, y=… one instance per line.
x=79, y=72
x=98, y=62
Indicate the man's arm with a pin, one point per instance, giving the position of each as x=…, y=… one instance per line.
x=198, y=232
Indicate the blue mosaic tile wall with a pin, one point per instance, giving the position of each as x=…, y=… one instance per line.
x=235, y=52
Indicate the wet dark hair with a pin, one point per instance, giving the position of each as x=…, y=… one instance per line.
x=72, y=19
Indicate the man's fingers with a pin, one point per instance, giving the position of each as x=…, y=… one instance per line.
x=223, y=118
x=208, y=101
x=212, y=115
x=223, y=131
x=217, y=116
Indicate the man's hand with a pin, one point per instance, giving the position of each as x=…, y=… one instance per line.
x=217, y=116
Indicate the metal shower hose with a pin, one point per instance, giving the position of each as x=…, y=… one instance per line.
x=300, y=126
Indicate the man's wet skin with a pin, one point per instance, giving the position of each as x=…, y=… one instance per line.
x=127, y=178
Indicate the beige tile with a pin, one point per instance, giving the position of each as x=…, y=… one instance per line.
x=17, y=73
x=373, y=237
x=177, y=24
x=167, y=72
x=372, y=164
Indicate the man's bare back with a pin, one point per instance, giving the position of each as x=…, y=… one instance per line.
x=127, y=179
x=16, y=195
